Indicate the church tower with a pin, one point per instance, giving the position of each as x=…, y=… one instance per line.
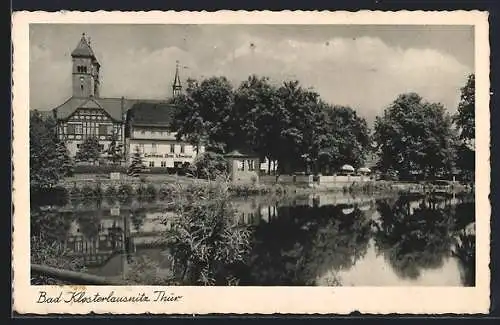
x=176, y=87
x=85, y=70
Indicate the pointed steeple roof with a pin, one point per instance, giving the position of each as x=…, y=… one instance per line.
x=83, y=49
x=177, y=79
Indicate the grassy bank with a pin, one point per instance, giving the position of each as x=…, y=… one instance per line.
x=163, y=188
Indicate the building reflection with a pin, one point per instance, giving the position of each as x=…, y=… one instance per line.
x=295, y=241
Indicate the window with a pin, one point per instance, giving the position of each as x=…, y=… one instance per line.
x=153, y=132
x=251, y=165
x=151, y=164
x=182, y=148
x=103, y=129
x=78, y=129
x=141, y=146
x=110, y=130
x=172, y=148
x=153, y=148
x=241, y=165
x=70, y=129
x=78, y=146
x=163, y=164
x=143, y=132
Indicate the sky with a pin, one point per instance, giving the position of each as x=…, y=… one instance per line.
x=362, y=66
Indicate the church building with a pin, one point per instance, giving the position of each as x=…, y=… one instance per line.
x=86, y=114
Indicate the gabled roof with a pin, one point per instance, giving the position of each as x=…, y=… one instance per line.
x=83, y=49
x=150, y=113
x=113, y=106
x=91, y=103
x=240, y=154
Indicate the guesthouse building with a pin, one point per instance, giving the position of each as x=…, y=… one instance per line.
x=149, y=132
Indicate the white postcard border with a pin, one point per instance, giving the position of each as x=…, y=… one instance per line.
x=262, y=300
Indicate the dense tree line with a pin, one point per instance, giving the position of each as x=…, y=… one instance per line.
x=287, y=123
x=416, y=138
x=293, y=126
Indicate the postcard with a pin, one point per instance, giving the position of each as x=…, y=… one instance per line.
x=251, y=162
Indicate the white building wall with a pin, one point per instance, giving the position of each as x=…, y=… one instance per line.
x=163, y=153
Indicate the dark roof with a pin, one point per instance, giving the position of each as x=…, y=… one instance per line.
x=83, y=49
x=113, y=106
x=240, y=154
x=43, y=114
x=150, y=113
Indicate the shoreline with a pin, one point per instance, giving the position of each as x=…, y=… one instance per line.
x=135, y=187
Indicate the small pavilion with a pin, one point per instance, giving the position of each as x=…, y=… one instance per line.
x=243, y=166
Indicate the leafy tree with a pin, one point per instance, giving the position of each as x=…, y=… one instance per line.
x=259, y=113
x=202, y=114
x=301, y=122
x=67, y=165
x=415, y=137
x=346, y=138
x=89, y=150
x=465, y=122
x=209, y=165
x=115, y=149
x=465, y=117
x=137, y=165
x=49, y=161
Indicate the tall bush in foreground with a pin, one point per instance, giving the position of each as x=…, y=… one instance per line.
x=209, y=165
x=205, y=240
x=137, y=165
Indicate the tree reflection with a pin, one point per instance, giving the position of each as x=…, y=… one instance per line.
x=465, y=247
x=414, y=235
x=338, y=244
x=138, y=216
x=305, y=242
x=45, y=219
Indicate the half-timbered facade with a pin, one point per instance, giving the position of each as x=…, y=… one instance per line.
x=90, y=119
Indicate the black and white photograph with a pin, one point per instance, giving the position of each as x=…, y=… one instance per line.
x=251, y=155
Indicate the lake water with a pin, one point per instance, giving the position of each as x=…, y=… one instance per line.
x=326, y=239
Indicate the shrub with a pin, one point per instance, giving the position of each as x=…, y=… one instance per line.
x=209, y=165
x=52, y=253
x=101, y=169
x=165, y=191
x=88, y=191
x=140, y=191
x=98, y=190
x=151, y=191
x=110, y=191
x=158, y=170
x=205, y=240
x=125, y=191
x=279, y=189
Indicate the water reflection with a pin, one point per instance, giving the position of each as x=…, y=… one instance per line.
x=309, y=240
